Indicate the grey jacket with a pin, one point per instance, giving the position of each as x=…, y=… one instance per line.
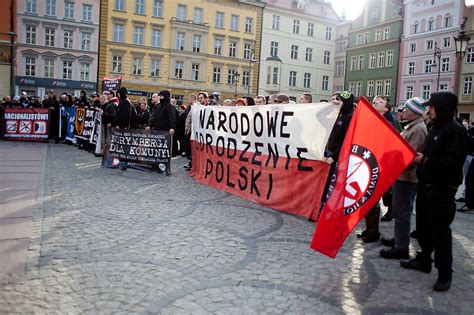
x=414, y=133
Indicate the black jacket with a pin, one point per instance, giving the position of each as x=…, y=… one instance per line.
x=444, y=153
x=123, y=114
x=336, y=138
x=163, y=117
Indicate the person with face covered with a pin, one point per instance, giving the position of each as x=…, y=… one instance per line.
x=439, y=171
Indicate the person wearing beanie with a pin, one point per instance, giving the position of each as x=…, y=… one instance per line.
x=404, y=188
x=163, y=116
x=123, y=115
x=439, y=172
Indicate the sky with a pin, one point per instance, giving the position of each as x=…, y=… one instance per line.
x=354, y=8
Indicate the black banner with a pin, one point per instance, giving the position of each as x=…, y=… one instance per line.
x=146, y=150
x=97, y=130
x=111, y=84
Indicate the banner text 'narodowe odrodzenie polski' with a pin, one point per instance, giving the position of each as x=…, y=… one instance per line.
x=271, y=155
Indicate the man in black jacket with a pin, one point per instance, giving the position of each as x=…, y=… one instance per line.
x=439, y=175
x=123, y=115
x=163, y=116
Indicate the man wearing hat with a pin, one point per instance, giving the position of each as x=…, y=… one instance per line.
x=439, y=173
x=404, y=188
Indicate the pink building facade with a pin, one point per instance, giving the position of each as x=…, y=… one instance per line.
x=57, y=46
x=428, y=55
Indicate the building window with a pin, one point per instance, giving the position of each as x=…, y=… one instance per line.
x=138, y=35
x=180, y=41
x=372, y=60
x=387, y=87
x=366, y=38
x=67, y=39
x=198, y=16
x=340, y=65
x=67, y=70
x=386, y=33
x=196, y=43
x=294, y=52
x=156, y=38
x=470, y=55
x=358, y=89
x=216, y=75
x=445, y=63
x=248, y=25
x=389, y=62
x=370, y=88
x=274, y=49
x=428, y=66
x=234, y=22
x=325, y=83
x=139, y=6
x=68, y=10
x=327, y=57
x=381, y=60
x=378, y=87
x=219, y=19
x=245, y=78
x=118, y=33
x=311, y=29
x=137, y=66
x=416, y=28
x=309, y=54
x=157, y=8
x=85, y=71
x=429, y=44
x=467, y=86
x=292, y=81
x=353, y=63
x=411, y=67
x=296, y=26
x=275, y=75
x=378, y=35
x=425, y=91
x=409, y=92
x=120, y=5
x=448, y=21
x=276, y=22
x=360, y=62
x=374, y=14
x=86, y=41
x=116, y=63
x=307, y=80
x=443, y=87
x=87, y=12
x=412, y=47
x=30, y=35
x=248, y=51
x=352, y=87
x=178, y=70
x=30, y=66
x=431, y=25
x=155, y=68
x=218, y=46
x=232, y=48
x=49, y=68
x=328, y=33
x=181, y=13
x=30, y=6
x=50, y=7
x=359, y=39
x=49, y=37
x=232, y=77
x=446, y=42
x=195, y=72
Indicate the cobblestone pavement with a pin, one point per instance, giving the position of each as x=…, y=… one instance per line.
x=111, y=241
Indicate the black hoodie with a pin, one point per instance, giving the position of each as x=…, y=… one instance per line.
x=341, y=125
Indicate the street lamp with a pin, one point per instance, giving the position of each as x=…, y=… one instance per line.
x=251, y=56
x=461, y=43
x=235, y=80
x=437, y=55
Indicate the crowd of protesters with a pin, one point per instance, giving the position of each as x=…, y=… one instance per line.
x=444, y=145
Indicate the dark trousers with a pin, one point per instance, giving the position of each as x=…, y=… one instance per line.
x=435, y=210
x=469, y=182
x=372, y=219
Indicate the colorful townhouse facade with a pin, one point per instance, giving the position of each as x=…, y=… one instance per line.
x=183, y=46
x=298, y=48
x=57, y=46
x=342, y=41
x=374, y=50
x=465, y=91
x=7, y=46
x=429, y=62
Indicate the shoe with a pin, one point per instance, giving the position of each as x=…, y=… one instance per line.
x=461, y=199
x=442, y=284
x=416, y=264
x=390, y=242
x=394, y=253
x=123, y=168
x=98, y=155
x=363, y=234
x=414, y=234
x=386, y=218
x=465, y=209
x=370, y=238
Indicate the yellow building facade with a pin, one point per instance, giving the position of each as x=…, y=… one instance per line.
x=184, y=46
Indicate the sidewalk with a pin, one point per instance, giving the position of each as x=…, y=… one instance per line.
x=21, y=168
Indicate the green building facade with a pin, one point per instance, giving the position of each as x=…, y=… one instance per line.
x=373, y=50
